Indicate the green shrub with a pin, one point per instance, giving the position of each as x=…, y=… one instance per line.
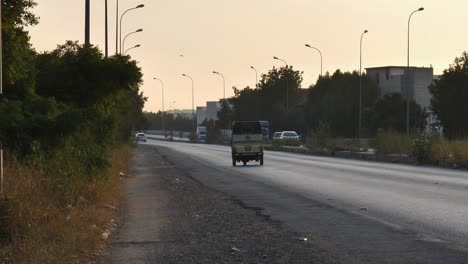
x=421, y=148
x=319, y=138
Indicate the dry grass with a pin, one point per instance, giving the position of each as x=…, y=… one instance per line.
x=390, y=142
x=451, y=151
x=46, y=222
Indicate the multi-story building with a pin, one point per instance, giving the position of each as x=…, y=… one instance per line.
x=208, y=112
x=396, y=79
x=201, y=114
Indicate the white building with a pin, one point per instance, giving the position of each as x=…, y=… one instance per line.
x=394, y=79
x=201, y=114
x=208, y=112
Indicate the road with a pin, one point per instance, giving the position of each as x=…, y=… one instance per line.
x=369, y=211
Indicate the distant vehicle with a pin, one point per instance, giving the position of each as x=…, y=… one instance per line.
x=247, y=142
x=277, y=135
x=201, y=134
x=140, y=137
x=290, y=138
x=265, y=125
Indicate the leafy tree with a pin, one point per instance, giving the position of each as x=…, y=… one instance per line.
x=450, y=97
x=268, y=101
x=225, y=115
x=389, y=113
x=334, y=100
x=18, y=55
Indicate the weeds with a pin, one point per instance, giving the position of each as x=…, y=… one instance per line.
x=390, y=142
x=52, y=221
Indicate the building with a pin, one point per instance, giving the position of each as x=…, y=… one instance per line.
x=208, y=112
x=184, y=113
x=201, y=114
x=212, y=109
x=394, y=79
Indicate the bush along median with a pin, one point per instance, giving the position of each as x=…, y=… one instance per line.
x=388, y=146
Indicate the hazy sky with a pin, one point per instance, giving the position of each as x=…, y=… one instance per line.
x=231, y=35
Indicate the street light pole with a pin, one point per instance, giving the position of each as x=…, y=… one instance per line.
x=287, y=83
x=360, y=83
x=134, y=47
x=87, y=22
x=224, y=84
x=321, y=58
x=1, y=97
x=256, y=75
x=193, y=102
x=121, y=17
x=117, y=28
x=162, y=88
x=133, y=32
x=106, y=31
x=408, y=76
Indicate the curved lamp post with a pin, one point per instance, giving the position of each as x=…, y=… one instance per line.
x=131, y=33
x=408, y=75
x=224, y=83
x=321, y=58
x=162, y=88
x=134, y=47
x=256, y=75
x=287, y=84
x=360, y=82
x=121, y=17
x=193, y=102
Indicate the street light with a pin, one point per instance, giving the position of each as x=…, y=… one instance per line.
x=134, y=47
x=131, y=33
x=117, y=27
x=224, y=84
x=287, y=84
x=408, y=75
x=256, y=75
x=193, y=102
x=121, y=17
x=106, y=30
x=162, y=88
x=1, y=97
x=321, y=58
x=87, y=21
x=360, y=82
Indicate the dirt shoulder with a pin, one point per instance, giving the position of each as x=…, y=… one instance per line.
x=171, y=218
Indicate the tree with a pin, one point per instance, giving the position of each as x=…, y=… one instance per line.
x=18, y=55
x=334, y=100
x=268, y=101
x=450, y=97
x=389, y=113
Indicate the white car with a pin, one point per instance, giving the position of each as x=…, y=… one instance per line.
x=289, y=135
x=140, y=137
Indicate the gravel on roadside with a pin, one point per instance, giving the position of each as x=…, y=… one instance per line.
x=207, y=226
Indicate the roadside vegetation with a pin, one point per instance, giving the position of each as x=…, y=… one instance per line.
x=66, y=122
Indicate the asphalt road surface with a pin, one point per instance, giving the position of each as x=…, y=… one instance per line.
x=365, y=212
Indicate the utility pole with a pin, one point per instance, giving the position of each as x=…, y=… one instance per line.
x=106, y=31
x=87, y=24
x=1, y=97
x=117, y=28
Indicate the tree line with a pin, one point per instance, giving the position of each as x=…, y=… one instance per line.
x=70, y=103
x=333, y=103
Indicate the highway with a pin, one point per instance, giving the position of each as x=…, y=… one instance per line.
x=372, y=211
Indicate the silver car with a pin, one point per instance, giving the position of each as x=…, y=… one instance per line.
x=140, y=137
